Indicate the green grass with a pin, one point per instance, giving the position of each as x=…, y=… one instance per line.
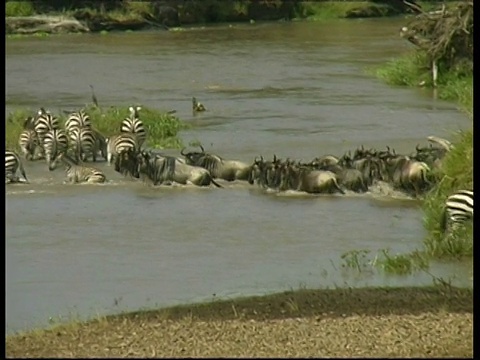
x=162, y=128
x=456, y=172
x=323, y=10
x=19, y=8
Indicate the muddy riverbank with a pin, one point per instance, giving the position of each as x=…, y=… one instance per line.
x=159, y=15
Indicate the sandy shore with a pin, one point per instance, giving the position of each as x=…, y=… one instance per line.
x=410, y=322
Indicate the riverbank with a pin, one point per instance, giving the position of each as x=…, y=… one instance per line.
x=450, y=45
x=400, y=322
x=28, y=18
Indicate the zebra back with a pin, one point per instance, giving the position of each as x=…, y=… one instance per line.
x=458, y=208
x=133, y=124
x=29, y=143
x=121, y=142
x=45, y=122
x=13, y=163
x=84, y=142
x=77, y=120
x=55, y=142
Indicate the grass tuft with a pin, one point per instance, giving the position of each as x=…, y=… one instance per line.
x=19, y=8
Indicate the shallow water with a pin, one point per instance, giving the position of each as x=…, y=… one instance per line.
x=296, y=90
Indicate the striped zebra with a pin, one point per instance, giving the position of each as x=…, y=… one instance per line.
x=121, y=142
x=44, y=122
x=458, y=209
x=29, y=144
x=84, y=144
x=77, y=173
x=133, y=124
x=55, y=143
x=77, y=120
x=13, y=164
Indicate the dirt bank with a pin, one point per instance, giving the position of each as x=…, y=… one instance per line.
x=399, y=322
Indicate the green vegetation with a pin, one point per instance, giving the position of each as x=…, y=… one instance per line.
x=19, y=8
x=320, y=10
x=450, y=45
x=413, y=69
x=163, y=128
x=457, y=167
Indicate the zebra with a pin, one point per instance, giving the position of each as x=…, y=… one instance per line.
x=13, y=163
x=55, y=142
x=83, y=140
x=44, y=122
x=458, y=209
x=29, y=144
x=121, y=142
x=77, y=119
x=78, y=173
x=133, y=124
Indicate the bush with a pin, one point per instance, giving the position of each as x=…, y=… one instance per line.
x=19, y=8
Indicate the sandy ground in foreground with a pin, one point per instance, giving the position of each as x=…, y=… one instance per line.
x=308, y=323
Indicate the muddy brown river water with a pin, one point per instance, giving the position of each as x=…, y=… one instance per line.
x=298, y=90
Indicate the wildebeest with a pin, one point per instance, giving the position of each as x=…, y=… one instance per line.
x=197, y=106
x=265, y=173
x=218, y=167
x=350, y=179
x=369, y=166
x=407, y=174
x=166, y=169
x=311, y=181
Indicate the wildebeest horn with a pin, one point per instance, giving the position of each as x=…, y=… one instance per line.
x=274, y=158
x=181, y=152
x=388, y=148
x=201, y=147
x=417, y=147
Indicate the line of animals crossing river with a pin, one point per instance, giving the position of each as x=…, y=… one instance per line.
x=76, y=144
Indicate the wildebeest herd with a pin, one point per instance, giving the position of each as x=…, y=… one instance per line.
x=78, y=142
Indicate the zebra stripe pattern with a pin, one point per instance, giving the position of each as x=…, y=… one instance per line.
x=13, y=163
x=133, y=124
x=55, y=143
x=29, y=144
x=76, y=173
x=458, y=209
x=84, y=143
x=121, y=142
x=44, y=122
x=77, y=120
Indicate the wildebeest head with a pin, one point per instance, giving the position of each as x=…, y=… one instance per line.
x=194, y=157
x=126, y=163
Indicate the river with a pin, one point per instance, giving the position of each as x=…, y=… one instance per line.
x=294, y=89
